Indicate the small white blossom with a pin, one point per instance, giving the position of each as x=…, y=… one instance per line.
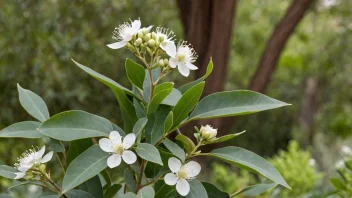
x=340, y=164
x=165, y=37
x=124, y=33
x=183, y=58
x=312, y=162
x=346, y=150
x=180, y=174
x=29, y=158
x=207, y=132
x=118, y=148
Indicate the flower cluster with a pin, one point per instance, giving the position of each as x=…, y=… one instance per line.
x=142, y=41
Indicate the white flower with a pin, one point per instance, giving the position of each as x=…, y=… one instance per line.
x=165, y=37
x=312, y=162
x=180, y=174
x=118, y=148
x=182, y=58
x=30, y=158
x=124, y=33
x=208, y=132
x=340, y=164
x=346, y=150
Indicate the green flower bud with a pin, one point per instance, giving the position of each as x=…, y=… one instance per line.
x=161, y=39
x=157, y=43
x=138, y=42
x=151, y=43
x=29, y=176
x=140, y=34
x=166, y=61
x=42, y=168
x=149, y=50
x=147, y=37
x=161, y=63
x=153, y=35
x=208, y=133
x=130, y=47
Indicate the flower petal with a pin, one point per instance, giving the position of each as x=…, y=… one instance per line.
x=182, y=187
x=192, y=168
x=170, y=179
x=47, y=157
x=106, y=145
x=136, y=24
x=183, y=69
x=115, y=137
x=20, y=175
x=169, y=47
x=114, y=160
x=191, y=66
x=117, y=45
x=129, y=140
x=39, y=154
x=129, y=157
x=24, y=167
x=173, y=62
x=174, y=164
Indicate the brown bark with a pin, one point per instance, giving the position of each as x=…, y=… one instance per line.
x=276, y=44
x=208, y=27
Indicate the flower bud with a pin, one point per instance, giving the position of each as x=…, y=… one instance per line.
x=207, y=132
x=161, y=63
x=151, y=43
x=149, y=51
x=147, y=37
x=153, y=35
x=138, y=42
x=42, y=168
x=161, y=39
x=29, y=176
x=129, y=46
x=140, y=34
x=166, y=61
x=157, y=43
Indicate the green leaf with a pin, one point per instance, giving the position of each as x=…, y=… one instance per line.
x=105, y=80
x=153, y=170
x=172, y=98
x=135, y=73
x=112, y=190
x=187, y=143
x=118, y=129
x=73, y=125
x=338, y=184
x=85, y=166
x=160, y=93
x=56, y=146
x=139, y=108
x=187, y=102
x=128, y=111
x=146, y=192
x=93, y=186
x=225, y=138
x=149, y=153
x=6, y=196
x=129, y=180
x=26, y=129
x=255, y=189
x=8, y=171
x=139, y=126
x=185, y=87
x=50, y=196
x=233, y=103
x=168, y=122
x=348, y=164
x=214, y=192
x=128, y=195
x=250, y=161
x=33, y=104
x=154, y=129
x=147, y=84
x=197, y=190
x=33, y=182
x=78, y=194
x=76, y=148
x=175, y=149
x=163, y=190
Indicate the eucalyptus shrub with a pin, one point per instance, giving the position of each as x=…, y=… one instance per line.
x=140, y=160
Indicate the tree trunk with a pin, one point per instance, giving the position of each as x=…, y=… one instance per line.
x=208, y=27
x=276, y=44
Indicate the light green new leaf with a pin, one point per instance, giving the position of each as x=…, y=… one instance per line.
x=175, y=149
x=233, y=103
x=135, y=73
x=187, y=102
x=33, y=104
x=225, y=138
x=87, y=165
x=154, y=129
x=168, y=122
x=172, y=98
x=250, y=161
x=338, y=184
x=185, y=87
x=160, y=93
x=139, y=126
x=73, y=125
x=149, y=153
x=213, y=191
x=187, y=143
x=26, y=129
x=8, y=171
x=197, y=190
x=255, y=189
x=105, y=80
x=146, y=192
x=78, y=194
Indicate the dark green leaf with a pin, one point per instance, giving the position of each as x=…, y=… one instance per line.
x=129, y=180
x=33, y=104
x=112, y=190
x=163, y=190
x=214, y=192
x=8, y=171
x=232, y=103
x=154, y=129
x=135, y=73
x=187, y=143
x=78, y=194
x=160, y=93
x=26, y=129
x=85, y=166
x=149, y=153
x=225, y=138
x=197, y=190
x=128, y=195
x=93, y=186
x=255, y=189
x=172, y=98
x=76, y=148
x=186, y=104
x=168, y=122
x=56, y=146
x=73, y=125
x=250, y=161
x=175, y=149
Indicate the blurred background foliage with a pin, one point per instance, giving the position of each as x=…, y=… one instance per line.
x=39, y=38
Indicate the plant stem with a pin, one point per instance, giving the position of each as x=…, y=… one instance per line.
x=139, y=186
x=62, y=166
x=52, y=183
x=200, y=143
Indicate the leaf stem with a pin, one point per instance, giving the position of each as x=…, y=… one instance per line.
x=139, y=186
x=47, y=177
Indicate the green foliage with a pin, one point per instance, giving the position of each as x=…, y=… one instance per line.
x=343, y=182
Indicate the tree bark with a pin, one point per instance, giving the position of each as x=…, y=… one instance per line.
x=208, y=28
x=276, y=44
